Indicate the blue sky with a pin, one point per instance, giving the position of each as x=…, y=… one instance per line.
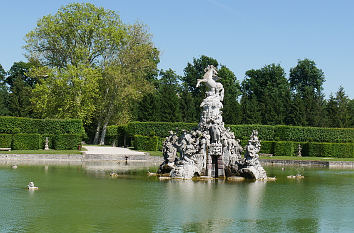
x=242, y=35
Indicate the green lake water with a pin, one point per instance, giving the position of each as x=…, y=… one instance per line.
x=74, y=199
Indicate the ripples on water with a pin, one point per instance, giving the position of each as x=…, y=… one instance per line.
x=84, y=198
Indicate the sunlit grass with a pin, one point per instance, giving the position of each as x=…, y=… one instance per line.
x=42, y=152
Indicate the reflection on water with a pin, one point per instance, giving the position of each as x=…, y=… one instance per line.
x=84, y=198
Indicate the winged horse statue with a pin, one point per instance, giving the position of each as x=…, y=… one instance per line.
x=210, y=79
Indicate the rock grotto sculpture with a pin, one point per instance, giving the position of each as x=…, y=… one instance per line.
x=211, y=150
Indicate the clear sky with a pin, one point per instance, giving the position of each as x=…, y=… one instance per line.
x=242, y=35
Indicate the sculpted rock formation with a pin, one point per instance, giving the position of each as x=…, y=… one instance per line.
x=210, y=150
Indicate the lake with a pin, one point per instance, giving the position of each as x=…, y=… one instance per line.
x=77, y=199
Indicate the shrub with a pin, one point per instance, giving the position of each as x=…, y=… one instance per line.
x=315, y=134
x=243, y=132
x=5, y=140
x=26, y=141
x=67, y=141
x=146, y=143
x=160, y=129
x=267, y=147
x=14, y=125
x=340, y=150
x=284, y=149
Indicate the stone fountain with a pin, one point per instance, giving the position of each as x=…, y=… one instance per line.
x=211, y=150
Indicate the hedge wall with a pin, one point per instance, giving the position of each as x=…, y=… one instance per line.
x=13, y=125
x=67, y=141
x=160, y=129
x=313, y=134
x=148, y=143
x=340, y=150
x=26, y=141
x=243, y=132
x=5, y=140
x=117, y=133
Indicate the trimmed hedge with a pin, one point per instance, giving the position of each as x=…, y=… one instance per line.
x=26, y=141
x=243, y=132
x=5, y=140
x=160, y=129
x=313, y=134
x=67, y=141
x=148, y=143
x=340, y=150
x=284, y=149
x=14, y=125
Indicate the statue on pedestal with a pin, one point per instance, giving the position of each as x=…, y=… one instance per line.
x=211, y=149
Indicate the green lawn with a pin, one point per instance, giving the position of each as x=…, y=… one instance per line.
x=308, y=158
x=42, y=152
x=159, y=153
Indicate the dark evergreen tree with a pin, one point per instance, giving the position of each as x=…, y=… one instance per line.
x=148, y=108
x=338, y=110
x=20, y=87
x=3, y=93
x=187, y=106
x=351, y=113
x=250, y=110
x=268, y=90
x=306, y=81
x=232, y=113
x=169, y=99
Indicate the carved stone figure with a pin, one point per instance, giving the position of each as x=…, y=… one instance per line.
x=211, y=149
x=46, y=146
x=299, y=151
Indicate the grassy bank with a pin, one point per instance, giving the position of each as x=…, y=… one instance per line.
x=33, y=152
x=159, y=153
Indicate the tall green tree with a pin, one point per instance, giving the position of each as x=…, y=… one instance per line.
x=79, y=33
x=20, y=89
x=232, y=113
x=82, y=39
x=306, y=82
x=149, y=107
x=3, y=93
x=188, y=106
x=338, y=110
x=266, y=90
x=169, y=98
x=351, y=113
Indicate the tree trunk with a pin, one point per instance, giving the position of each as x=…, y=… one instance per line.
x=97, y=134
x=104, y=129
x=103, y=135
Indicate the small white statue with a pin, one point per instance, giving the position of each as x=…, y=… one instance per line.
x=31, y=186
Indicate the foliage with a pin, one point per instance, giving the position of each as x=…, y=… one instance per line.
x=169, y=100
x=5, y=140
x=67, y=141
x=149, y=143
x=160, y=129
x=76, y=34
x=315, y=134
x=67, y=93
x=25, y=141
x=231, y=109
x=243, y=132
x=268, y=90
x=340, y=150
x=13, y=125
x=306, y=82
x=284, y=148
x=338, y=111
